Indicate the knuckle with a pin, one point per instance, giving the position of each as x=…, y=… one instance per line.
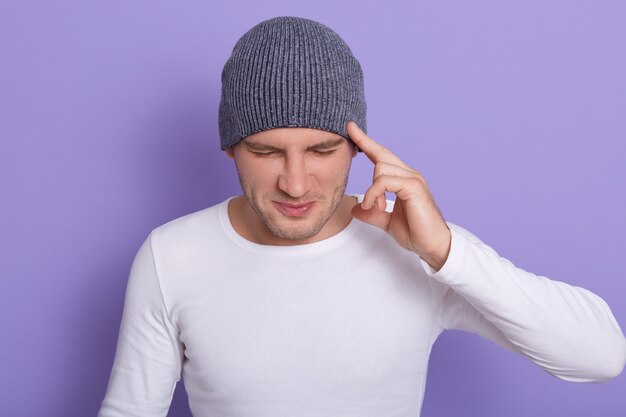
x=418, y=181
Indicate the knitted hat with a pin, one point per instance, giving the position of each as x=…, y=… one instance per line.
x=290, y=72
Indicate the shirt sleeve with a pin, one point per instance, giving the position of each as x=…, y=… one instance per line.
x=148, y=358
x=568, y=331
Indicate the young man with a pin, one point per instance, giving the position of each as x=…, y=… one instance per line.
x=295, y=299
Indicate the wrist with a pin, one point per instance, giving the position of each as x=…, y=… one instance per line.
x=438, y=258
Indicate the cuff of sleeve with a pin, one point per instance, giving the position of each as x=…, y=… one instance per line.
x=454, y=262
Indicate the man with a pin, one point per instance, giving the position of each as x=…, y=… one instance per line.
x=295, y=299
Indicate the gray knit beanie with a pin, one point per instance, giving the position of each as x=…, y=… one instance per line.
x=290, y=72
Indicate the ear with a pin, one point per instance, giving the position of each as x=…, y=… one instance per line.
x=229, y=152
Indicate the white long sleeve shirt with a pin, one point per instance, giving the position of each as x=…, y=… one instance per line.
x=339, y=327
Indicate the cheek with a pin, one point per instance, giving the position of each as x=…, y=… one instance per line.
x=258, y=172
x=338, y=169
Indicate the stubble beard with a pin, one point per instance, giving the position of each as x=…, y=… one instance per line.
x=294, y=232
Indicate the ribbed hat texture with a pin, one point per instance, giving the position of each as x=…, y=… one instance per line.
x=290, y=72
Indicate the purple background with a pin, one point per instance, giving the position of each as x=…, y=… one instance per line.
x=514, y=114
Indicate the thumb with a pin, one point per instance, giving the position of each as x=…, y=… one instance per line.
x=374, y=216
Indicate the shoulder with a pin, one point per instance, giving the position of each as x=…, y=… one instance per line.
x=189, y=230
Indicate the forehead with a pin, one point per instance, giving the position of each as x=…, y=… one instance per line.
x=294, y=137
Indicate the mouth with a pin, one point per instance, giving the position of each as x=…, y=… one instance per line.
x=292, y=210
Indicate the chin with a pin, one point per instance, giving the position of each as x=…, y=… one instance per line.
x=295, y=228
x=294, y=234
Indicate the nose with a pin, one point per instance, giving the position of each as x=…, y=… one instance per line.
x=295, y=179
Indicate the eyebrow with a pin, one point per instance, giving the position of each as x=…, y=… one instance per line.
x=329, y=143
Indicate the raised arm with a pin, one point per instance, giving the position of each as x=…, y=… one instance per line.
x=568, y=331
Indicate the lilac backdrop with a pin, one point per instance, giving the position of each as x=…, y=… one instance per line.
x=514, y=113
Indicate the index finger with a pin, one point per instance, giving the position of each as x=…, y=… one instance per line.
x=372, y=149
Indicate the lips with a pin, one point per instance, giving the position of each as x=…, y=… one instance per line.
x=292, y=210
x=294, y=205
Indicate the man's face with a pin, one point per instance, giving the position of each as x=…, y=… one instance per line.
x=293, y=166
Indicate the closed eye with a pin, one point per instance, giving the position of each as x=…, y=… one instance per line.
x=322, y=153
